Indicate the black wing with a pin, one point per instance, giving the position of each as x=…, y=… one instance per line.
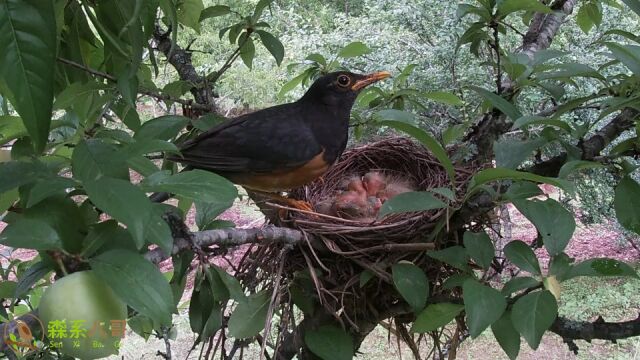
x=276, y=138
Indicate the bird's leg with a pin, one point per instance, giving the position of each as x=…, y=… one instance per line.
x=297, y=204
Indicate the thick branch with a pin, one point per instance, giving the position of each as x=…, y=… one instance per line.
x=180, y=59
x=541, y=31
x=230, y=238
x=545, y=26
x=599, y=329
x=593, y=146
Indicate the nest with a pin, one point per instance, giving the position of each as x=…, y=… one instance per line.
x=348, y=262
x=396, y=157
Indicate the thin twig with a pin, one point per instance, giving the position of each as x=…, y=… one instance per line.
x=112, y=78
x=214, y=76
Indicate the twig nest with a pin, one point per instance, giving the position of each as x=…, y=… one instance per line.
x=349, y=254
x=349, y=196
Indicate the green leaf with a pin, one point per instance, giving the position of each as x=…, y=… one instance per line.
x=455, y=256
x=443, y=97
x=127, y=84
x=124, y=202
x=554, y=223
x=569, y=70
x=262, y=4
x=76, y=92
x=93, y=159
x=141, y=325
x=7, y=289
x=231, y=283
x=571, y=166
x=583, y=19
x=317, y=58
x=627, y=54
x=410, y=202
x=453, y=133
x=249, y=317
x=205, y=316
x=214, y=11
x=163, y=127
x=272, y=44
x=428, y=141
x=207, y=121
x=507, y=7
x=30, y=234
x=27, y=61
x=456, y=280
x=197, y=185
x=365, y=276
x=494, y=174
x=483, y=305
x=127, y=114
x=435, y=316
x=507, y=336
x=480, y=248
x=329, y=343
x=633, y=5
x=7, y=199
x=517, y=284
x=144, y=146
x=499, y=103
x=466, y=9
x=291, y=84
x=510, y=153
x=137, y=282
x=627, y=204
x=522, y=256
x=18, y=173
x=157, y=230
x=601, y=267
x=207, y=212
x=354, y=49
x=11, y=127
x=395, y=115
x=247, y=51
x=56, y=212
x=177, y=88
x=533, y=314
x=53, y=186
x=594, y=11
x=189, y=12
x=522, y=190
x=412, y=284
x=31, y=276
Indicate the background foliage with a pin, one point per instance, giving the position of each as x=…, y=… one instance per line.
x=92, y=91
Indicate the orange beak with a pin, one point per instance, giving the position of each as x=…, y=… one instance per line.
x=370, y=79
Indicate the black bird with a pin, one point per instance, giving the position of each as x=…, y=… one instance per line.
x=284, y=146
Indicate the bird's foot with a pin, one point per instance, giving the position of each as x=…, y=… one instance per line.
x=299, y=204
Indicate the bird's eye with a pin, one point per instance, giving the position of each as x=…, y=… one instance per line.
x=343, y=80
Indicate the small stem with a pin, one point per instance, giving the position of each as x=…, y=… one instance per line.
x=61, y=265
x=112, y=78
x=214, y=76
x=496, y=48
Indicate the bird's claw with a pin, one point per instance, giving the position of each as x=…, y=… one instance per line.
x=300, y=205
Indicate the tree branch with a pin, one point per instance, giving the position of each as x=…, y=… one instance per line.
x=593, y=146
x=230, y=238
x=599, y=329
x=180, y=59
x=541, y=31
x=545, y=26
x=113, y=79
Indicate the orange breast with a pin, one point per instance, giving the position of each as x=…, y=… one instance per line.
x=284, y=180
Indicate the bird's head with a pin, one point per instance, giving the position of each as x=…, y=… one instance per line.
x=341, y=88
